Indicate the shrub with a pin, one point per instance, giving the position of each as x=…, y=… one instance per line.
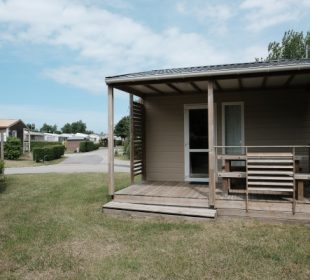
x=1, y=167
x=88, y=146
x=126, y=148
x=48, y=153
x=42, y=144
x=13, y=148
x=83, y=146
x=59, y=151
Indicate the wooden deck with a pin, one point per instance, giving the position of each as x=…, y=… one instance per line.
x=166, y=193
x=186, y=199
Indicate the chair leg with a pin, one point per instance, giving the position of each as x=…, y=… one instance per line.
x=300, y=190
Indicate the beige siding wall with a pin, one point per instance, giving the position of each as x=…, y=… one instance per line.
x=273, y=118
x=165, y=136
x=270, y=119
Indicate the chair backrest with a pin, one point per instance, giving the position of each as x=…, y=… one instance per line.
x=270, y=173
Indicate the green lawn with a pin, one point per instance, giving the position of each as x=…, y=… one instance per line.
x=52, y=227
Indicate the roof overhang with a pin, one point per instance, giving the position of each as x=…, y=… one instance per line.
x=257, y=75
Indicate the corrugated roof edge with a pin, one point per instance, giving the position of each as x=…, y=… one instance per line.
x=234, y=68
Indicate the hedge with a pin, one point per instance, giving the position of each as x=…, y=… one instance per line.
x=42, y=144
x=48, y=153
x=88, y=146
x=1, y=167
x=12, y=148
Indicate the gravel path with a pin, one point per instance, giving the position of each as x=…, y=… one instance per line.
x=96, y=161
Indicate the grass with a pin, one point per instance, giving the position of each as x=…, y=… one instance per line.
x=26, y=161
x=52, y=227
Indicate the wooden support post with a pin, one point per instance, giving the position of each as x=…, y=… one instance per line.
x=211, y=130
x=111, y=140
x=2, y=146
x=132, y=149
x=143, y=143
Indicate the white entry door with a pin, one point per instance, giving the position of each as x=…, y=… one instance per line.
x=196, y=143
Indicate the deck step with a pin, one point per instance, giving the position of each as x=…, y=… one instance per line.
x=163, y=200
x=170, y=210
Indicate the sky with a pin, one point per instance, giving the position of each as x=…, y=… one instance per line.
x=55, y=54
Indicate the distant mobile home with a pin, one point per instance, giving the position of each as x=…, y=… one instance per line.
x=73, y=143
x=14, y=127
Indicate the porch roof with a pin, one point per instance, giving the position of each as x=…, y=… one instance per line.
x=238, y=76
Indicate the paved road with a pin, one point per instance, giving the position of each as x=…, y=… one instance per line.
x=96, y=161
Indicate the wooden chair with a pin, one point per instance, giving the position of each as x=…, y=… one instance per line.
x=270, y=173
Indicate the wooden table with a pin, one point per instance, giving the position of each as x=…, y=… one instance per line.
x=227, y=173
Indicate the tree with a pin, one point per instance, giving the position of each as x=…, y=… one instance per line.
x=78, y=126
x=67, y=128
x=31, y=126
x=75, y=127
x=122, y=128
x=48, y=128
x=293, y=46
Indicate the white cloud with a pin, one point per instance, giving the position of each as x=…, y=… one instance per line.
x=256, y=51
x=208, y=12
x=262, y=14
x=82, y=77
x=256, y=15
x=113, y=43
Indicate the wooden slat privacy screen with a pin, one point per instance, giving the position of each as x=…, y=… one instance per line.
x=137, y=138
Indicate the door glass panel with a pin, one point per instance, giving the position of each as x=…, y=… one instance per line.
x=233, y=129
x=198, y=144
x=199, y=165
x=198, y=129
x=233, y=132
